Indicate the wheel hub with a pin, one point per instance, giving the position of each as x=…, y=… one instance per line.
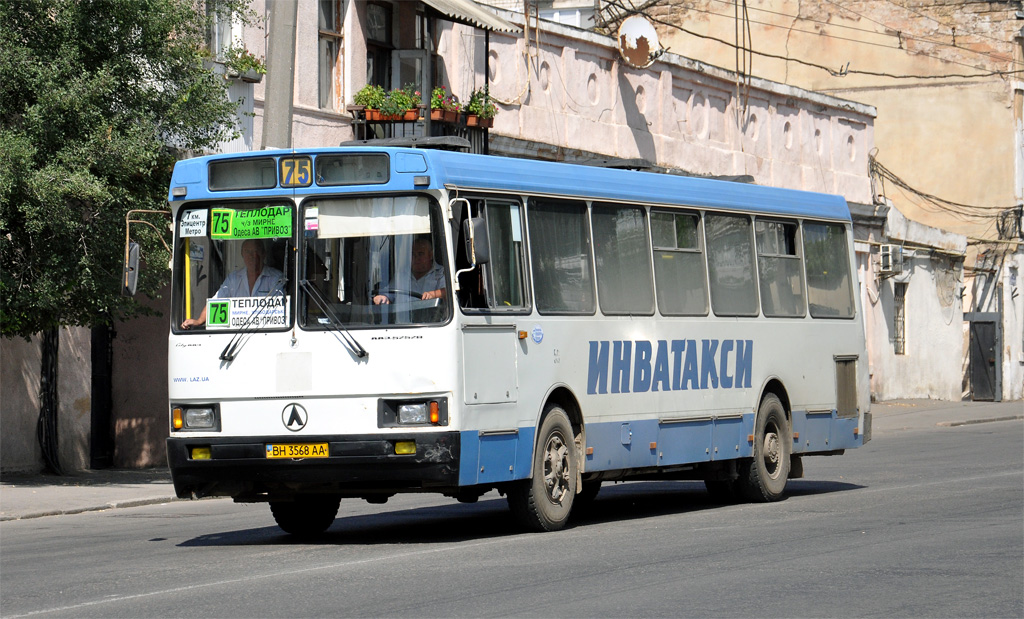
x=556, y=469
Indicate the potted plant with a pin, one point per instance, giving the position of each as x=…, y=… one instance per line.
x=400, y=104
x=480, y=109
x=368, y=100
x=443, y=106
x=242, y=63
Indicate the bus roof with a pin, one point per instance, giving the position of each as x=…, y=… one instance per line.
x=525, y=176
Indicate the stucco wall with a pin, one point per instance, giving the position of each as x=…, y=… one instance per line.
x=572, y=91
x=139, y=389
x=19, y=402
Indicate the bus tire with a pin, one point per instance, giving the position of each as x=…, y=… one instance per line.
x=543, y=503
x=763, y=479
x=308, y=515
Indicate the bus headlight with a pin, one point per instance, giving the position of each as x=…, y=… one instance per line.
x=413, y=413
x=395, y=413
x=199, y=418
x=186, y=418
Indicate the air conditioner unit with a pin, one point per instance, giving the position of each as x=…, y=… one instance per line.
x=892, y=259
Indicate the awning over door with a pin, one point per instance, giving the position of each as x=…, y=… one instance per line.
x=471, y=14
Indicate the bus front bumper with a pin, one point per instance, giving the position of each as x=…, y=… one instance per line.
x=361, y=465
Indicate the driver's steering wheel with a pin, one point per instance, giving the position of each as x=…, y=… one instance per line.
x=415, y=295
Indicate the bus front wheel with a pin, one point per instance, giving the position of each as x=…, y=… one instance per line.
x=308, y=515
x=763, y=479
x=543, y=502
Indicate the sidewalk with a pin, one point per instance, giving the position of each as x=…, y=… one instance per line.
x=34, y=496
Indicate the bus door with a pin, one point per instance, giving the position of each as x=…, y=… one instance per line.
x=492, y=296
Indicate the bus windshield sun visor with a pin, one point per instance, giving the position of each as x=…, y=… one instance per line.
x=346, y=337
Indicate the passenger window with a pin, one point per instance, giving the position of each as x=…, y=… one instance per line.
x=560, y=248
x=731, y=265
x=506, y=286
x=679, y=271
x=779, y=270
x=621, y=253
x=829, y=290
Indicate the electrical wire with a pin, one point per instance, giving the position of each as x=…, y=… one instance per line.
x=838, y=72
x=900, y=36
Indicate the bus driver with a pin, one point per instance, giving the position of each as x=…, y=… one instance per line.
x=254, y=280
x=427, y=279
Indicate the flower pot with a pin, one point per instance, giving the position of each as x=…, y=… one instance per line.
x=252, y=76
x=444, y=116
x=411, y=115
x=472, y=120
x=371, y=114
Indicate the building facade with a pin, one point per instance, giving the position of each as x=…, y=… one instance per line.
x=563, y=93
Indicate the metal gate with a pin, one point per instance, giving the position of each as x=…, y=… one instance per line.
x=985, y=359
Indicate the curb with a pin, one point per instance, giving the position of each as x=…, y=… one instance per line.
x=970, y=422
x=95, y=508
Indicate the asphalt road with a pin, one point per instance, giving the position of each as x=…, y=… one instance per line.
x=926, y=521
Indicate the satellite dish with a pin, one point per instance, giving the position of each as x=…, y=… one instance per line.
x=638, y=42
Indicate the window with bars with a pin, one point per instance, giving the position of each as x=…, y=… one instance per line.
x=899, y=318
x=329, y=51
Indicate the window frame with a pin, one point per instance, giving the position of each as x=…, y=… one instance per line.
x=335, y=37
x=531, y=202
x=797, y=255
x=752, y=264
x=700, y=250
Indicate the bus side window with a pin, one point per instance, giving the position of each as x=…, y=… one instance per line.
x=730, y=247
x=563, y=280
x=500, y=284
x=505, y=284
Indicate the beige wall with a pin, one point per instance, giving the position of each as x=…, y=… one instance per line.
x=19, y=402
x=954, y=138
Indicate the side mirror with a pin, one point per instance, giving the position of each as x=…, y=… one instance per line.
x=131, y=269
x=474, y=231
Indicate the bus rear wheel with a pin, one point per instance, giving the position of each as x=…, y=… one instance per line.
x=763, y=479
x=308, y=515
x=543, y=503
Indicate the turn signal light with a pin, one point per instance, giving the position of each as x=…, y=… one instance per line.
x=435, y=414
x=405, y=448
x=176, y=419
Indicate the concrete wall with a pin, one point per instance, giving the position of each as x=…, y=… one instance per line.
x=571, y=91
x=931, y=365
x=139, y=389
x=19, y=404
x=953, y=137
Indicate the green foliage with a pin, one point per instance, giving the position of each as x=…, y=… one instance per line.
x=370, y=95
x=94, y=98
x=399, y=101
x=481, y=104
x=239, y=60
x=441, y=100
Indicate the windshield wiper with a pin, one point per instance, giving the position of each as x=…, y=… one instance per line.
x=251, y=324
x=348, y=339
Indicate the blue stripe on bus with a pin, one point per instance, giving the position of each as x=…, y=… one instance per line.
x=496, y=458
x=513, y=175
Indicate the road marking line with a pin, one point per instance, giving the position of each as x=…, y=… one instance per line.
x=233, y=581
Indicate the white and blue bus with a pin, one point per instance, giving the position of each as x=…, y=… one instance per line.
x=360, y=322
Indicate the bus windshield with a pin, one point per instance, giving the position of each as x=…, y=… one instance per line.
x=373, y=261
x=233, y=266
